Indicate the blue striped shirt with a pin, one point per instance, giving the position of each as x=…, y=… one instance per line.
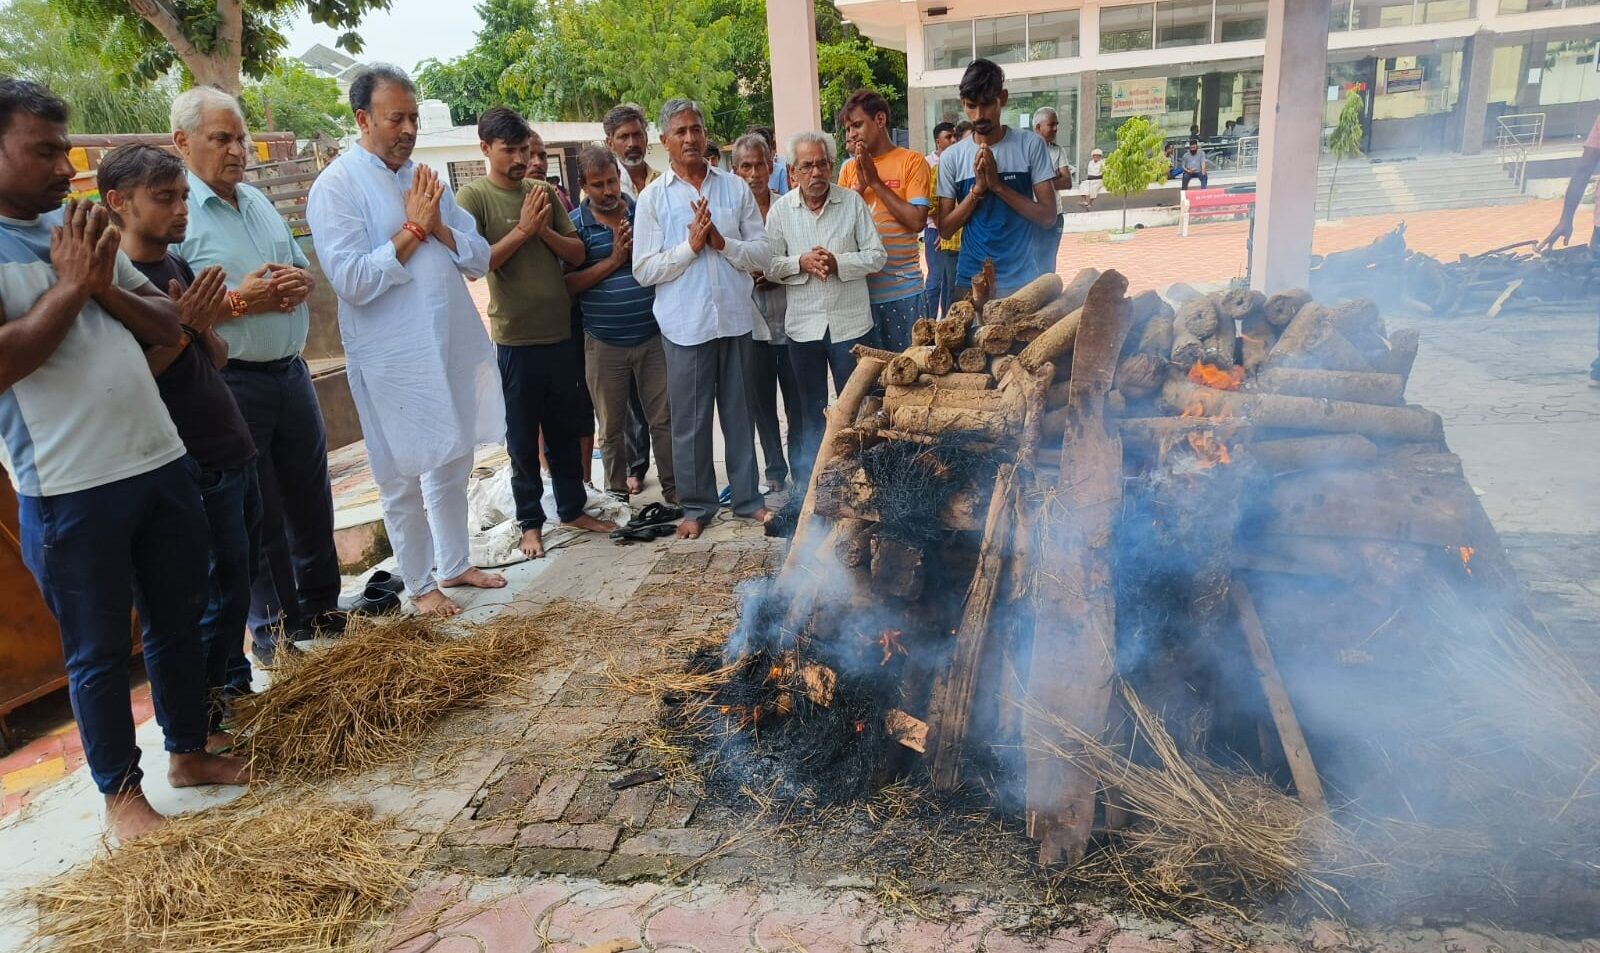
x=618, y=310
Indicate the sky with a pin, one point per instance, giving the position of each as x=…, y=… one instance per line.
x=409, y=32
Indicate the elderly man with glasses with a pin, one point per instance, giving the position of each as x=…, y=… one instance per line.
x=824, y=245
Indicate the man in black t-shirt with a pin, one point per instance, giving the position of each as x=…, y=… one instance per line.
x=146, y=190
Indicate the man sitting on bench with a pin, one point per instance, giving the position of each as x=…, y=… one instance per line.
x=1195, y=165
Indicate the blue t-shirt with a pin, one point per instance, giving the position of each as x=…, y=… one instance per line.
x=618, y=310
x=995, y=231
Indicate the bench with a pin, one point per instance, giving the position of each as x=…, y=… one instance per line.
x=1212, y=204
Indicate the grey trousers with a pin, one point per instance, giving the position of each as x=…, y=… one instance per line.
x=615, y=374
x=703, y=379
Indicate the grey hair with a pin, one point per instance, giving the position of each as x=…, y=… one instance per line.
x=813, y=138
x=751, y=140
x=1045, y=109
x=672, y=107
x=189, y=108
x=369, y=79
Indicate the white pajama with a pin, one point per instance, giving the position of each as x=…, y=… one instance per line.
x=426, y=518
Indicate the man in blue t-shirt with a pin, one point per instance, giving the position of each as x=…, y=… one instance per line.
x=999, y=186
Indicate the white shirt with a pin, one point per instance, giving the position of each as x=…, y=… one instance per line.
x=699, y=297
x=90, y=414
x=840, y=306
x=421, y=368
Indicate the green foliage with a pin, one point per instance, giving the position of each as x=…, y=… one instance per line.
x=38, y=44
x=302, y=102
x=1136, y=163
x=1344, y=142
x=470, y=83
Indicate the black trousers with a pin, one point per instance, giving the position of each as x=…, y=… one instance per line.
x=636, y=436
x=298, y=574
x=544, y=392
x=771, y=375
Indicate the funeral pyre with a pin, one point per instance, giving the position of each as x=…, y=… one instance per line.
x=1197, y=582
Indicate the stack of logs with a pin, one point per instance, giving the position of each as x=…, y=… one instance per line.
x=1079, y=389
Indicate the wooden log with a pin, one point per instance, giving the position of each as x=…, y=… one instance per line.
x=961, y=310
x=819, y=682
x=951, y=711
x=1027, y=299
x=963, y=511
x=1372, y=503
x=1377, y=570
x=1148, y=304
x=1306, y=413
x=1001, y=366
x=994, y=339
x=861, y=352
x=1153, y=432
x=922, y=332
x=957, y=380
x=1301, y=768
x=1074, y=645
x=869, y=408
x=990, y=400
x=951, y=333
x=898, y=568
x=1238, y=304
x=1076, y=291
x=837, y=417
x=1256, y=338
x=1156, y=337
x=1363, y=387
x=852, y=541
x=983, y=286
x=1215, y=349
x=1314, y=453
x=1140, y=374
x=900, y=371
x=971, y=360
x=1054, y=341
x=1035, y=388
x=850, y=441
x=1283, y=306
x=1401, y=354
x=906, y=729
x=1313, y=340
x=1199, y=318
x=995, y=425
x=1180, y=292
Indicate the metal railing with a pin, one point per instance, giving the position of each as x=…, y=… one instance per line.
x=1514, y=137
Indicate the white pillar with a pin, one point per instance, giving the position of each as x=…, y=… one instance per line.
x=1295, y=86
x=792, y=39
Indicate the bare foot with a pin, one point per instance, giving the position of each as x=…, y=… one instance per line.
x=689, y=529
x=129, y=815
x=202, y=767
x=436, y=603
x=589, y=524
x=476, y=578
x=635, y=485
x=218, y=742
x=532, y=544
x=761, y=515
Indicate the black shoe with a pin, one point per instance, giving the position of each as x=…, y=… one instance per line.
x=381, y=594
x=656, y=514
x=329, y=624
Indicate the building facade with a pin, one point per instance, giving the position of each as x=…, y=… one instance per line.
x=1439, y=75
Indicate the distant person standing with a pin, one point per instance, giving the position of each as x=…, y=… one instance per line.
x=1046, y=123
x=778, y=181
x=1094, y=179
x=627, y=136
x=1576, y=187
x=1195, y=165
x=999, y=187
x=936, y=292
x=894, y=182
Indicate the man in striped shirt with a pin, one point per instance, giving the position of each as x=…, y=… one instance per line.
x=621, y=340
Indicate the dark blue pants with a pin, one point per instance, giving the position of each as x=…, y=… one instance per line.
x=544, y=392
x=939, y=291
x=1201, y=177
x=233, y=513
x=771, y=375
x=297, y=576
x=97, y=554
x=891, y=324
x=812, y=361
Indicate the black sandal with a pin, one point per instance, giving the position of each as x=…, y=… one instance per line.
x=624, y=535
x=655, y=514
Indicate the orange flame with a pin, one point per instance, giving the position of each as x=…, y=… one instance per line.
x=1216, y=377
x=1466, y=557
x=1208, y=450
x=891, y=644
x=860, y=727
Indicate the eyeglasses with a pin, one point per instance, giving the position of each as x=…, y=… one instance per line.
x=807, y=168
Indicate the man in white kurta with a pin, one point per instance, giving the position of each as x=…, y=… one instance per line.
x=395, y=246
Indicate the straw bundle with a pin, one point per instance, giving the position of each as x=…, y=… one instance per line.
x=302, y=877
x=364, y=700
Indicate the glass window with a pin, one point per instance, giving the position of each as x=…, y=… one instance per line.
x=1242, y=20
x=1002, y=39
x=947, y=45
x=941, y=104
x=1440, y=11
x=1060, y=92
x=1127, y=28
x=1528, y=6
x=1371, y=14
x=1053, y=36
x=1339, y=17
x=1183, y=23
x=463, y=172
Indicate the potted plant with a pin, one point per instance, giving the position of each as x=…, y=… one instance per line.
x=1136, y=163
x=1345, y=140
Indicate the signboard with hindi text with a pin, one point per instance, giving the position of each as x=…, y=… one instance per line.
x=1139, y=97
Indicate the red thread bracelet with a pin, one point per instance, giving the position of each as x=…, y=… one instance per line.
x=416, y=231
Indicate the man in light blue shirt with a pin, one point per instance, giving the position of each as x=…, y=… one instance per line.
x=236, y=227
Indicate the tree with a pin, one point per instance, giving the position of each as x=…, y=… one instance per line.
x=300, y=101
x=38, y=44
x=1136, y=163
x=1345, y=140
x=217, y=41
x=470, y=83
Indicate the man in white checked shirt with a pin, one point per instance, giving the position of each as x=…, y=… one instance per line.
x=824, y=245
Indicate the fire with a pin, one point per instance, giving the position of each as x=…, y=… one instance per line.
x=891, y=644
x=1465, y=552
x=860, y=727
x=1208, y=450
x=1216, y=377
x=747, y=716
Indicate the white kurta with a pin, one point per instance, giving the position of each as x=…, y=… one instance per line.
x=420, y=365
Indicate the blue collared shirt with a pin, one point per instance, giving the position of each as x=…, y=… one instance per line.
x=618, y=310
x=241, y=240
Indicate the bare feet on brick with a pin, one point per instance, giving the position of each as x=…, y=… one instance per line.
x=590, y=524
x=476, y=578
x=436, y=603
x=532, y=543
x=690, y=529
x=202, y=767
x=219, y=742
x=129, y=815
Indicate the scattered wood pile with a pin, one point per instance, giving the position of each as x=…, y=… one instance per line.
x=1514, y=278
x=1071, y=488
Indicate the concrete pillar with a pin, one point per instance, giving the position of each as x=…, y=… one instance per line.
x=1088, y=109
x=792, y=39
x=1294, y=87
x=917, y=121
x=1210, y=105
x=1478, y=58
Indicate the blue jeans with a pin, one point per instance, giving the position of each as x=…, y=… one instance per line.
x=811, y=362
x=892, y=320
x=233, y=512
x=939, y=291
x=97, y=554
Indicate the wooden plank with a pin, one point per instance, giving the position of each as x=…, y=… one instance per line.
x=1301, y=767
x=862, y=380
x=951, y=711
x=1074, y=645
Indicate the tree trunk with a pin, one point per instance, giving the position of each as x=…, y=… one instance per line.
x=221, y=68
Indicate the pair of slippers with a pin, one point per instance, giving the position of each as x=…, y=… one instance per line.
x=649, y=524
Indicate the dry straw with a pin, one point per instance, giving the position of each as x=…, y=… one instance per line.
x=251, y=877
x=364, y=700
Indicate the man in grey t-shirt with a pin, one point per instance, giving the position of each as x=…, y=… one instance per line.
x=1195, y=165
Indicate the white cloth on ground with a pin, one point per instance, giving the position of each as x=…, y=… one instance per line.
x=421, y=368
x=426, y=518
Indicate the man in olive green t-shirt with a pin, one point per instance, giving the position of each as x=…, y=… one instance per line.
x=530, y=319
